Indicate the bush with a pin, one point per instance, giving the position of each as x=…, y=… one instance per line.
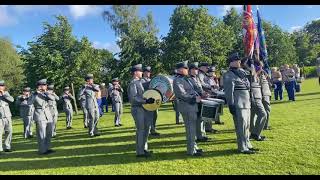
x=309, y=71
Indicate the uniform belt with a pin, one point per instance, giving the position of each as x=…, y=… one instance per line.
x=241, y=89
x=41, y=107
x=180, y=100
x=4, y=105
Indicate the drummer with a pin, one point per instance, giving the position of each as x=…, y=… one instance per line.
x=215, y=89
x=213, y=78
x=151, y=115
x=175, y=102
x=204, y=79
x=188, y=100
x=195, y=81
x=135, y=94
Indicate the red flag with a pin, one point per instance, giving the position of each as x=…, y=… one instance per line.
x=249, y=31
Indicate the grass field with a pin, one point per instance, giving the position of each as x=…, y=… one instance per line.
x=293, y=146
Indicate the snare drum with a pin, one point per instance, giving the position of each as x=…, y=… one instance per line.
x=221, y=104
x=209, y=110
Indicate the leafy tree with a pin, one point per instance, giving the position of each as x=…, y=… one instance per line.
x=280, y=45
x=313, y=29
x=58, y=56
x=196, y=36
x=302, y=45
x=11, y=69
x=234, y=21
x=137, y=40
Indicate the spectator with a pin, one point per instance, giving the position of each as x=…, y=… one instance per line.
x=276, y=77
x=99, y=101
x=290, y=81
x=104, y=97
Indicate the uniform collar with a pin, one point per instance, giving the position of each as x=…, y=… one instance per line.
x=180, y=75
x=200, y=71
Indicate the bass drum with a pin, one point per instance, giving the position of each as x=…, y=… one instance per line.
x=156, y=95
x=164, y=84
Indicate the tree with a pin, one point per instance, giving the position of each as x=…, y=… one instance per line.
x=195, y=36
x=280, y=45
x=138, y=41
x=314, y=53
x=302, y=46
x=11, y=69
x=58, y=56
x=108, y=67
x=234, y=21
x=313, y=29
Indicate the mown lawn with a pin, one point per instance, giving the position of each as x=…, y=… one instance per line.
x=293, y=146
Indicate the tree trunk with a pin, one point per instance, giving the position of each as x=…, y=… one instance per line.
x=75, y=100
x=303, y=74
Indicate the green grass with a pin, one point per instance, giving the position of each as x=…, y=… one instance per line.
x=293, y=146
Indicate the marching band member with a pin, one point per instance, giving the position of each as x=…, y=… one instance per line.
x=204, y=79
x=194, y=79
x=25, y=112
x=153, y=115
x=88, y=92
x=258, y=116
x=53, y=109
x=187, y=98
x=5, y=118
x=175, y=103
x=42, y=116
x=266, y=94
x=237, y=92
x=67, y=106
x=116, y=93
x=215, y=89
x=135, y=94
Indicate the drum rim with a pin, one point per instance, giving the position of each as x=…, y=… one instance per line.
x=158, y=92
x=169, y=79
x=160, y=96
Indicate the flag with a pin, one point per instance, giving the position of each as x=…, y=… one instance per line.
x=257, y=47
x=263, y=45
x=248, y=30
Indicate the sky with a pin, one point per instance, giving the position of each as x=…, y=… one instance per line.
x=23, y=23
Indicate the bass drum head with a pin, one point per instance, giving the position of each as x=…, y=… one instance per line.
x=164, y=85
x=156, y=95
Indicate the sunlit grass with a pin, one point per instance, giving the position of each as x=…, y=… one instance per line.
x=293, y=146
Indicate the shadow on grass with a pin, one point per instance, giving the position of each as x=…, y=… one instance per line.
x=82, y=135
x=308, y=94
x=286, y=101
x=98, y=156
x=106, y=147
x=102, y=149
x=226, y=131
x=84, y=139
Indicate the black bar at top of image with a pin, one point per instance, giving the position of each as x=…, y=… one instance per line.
x=162, y=2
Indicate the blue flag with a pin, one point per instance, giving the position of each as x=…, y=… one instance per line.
x=263, y=46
